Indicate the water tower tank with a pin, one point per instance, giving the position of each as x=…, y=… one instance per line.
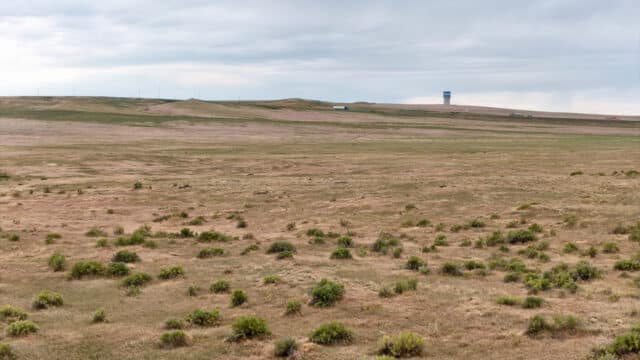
x=446, y=97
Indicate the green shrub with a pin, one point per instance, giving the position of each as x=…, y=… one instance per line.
x=536, y=228
x=52, y=237
x=171, y=272
x=284, y=255
x=238, y=297
x=341, y=253
x=384, y=242
x=57, y=262
x=21, y=328
x=14, y=237
x=83, y=269
x=249, y=327
x=10, y=313
x=331, y=333
x=199, y=220
x=404, y=344
x=423, y=223
x=508, y=300
x=570, y=248
x=95, y=232
x=100, y=243
x=531, y=302
x=441, y=240
x=248, y=249
x=520, y=236
x=117, y=269
x=346, y=242
x=210, y=252
x=511, y=277
x=476, y=223
x=285, y=347
x=137, y=279
x=174, y=339
x=537, y=324
x=315, y=233
x=474, y=264
x=590, y=252
x=187, y=233
x=570, y=220
x=627, y=343
x=6, y=352
x=220, y=286
x=452, y=269
x=193, y=290
x=173, y=324
x=271, y=279
x=494, y=239
x=293, y=306
x=414, y=263
x=201, y=317
x=610, y=248
x=404, y=285
x=385, y=292
x=281, y=246
x=46, y=299
x=585, y=271
x=326, y=293
x=291, y=226
x=209, y=236
x=136, y=238
x=125, y=256
x=99, y=316
x=627, y=265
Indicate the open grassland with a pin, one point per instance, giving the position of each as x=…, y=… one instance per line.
x=454, y=226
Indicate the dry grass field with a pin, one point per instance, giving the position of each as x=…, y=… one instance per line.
x=491, y=205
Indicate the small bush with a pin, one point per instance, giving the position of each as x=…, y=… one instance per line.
x=6, y=352
x=201, y=317
x=536, y=228
x=531, y=302
x=293, y=307
x=341, y=253
x=627, y=265
x=281, y=246
x=173, y=324
x=174, y=339
x=199, y=220
x=125, y=256
x=117, y=269
x=271, y=279
x=345, y=241
x=21, y=328
x=291, y=226
x=476, y=223
x=326, y=293
x=315, y=233
x=451, y=269
x=57, y=262
x=99, y=316
x=137, y=238
x=508, y=300
x=570, y=248
x=210, y=252
x=95, y=232
x=238, y=297
x=220, y=286
x=83, y=269
x=137, y=279
x=537, y=324
x=248, y=249
x=385, y=292
x=610, y=248
x=249, y=327
x=285, y=347
x=46, y=299
x=474, y=264
x=10, y=313
x=414, y=263
x=520, y=236
x=100, y=243
x=209, y=236
x=331, y=333
x=14, y=237
x=384, y=242
x=193, y=290
x=52, y=237
x=171, y=272
x=404, y=344
x=441, y=240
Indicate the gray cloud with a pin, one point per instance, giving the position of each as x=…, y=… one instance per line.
x=358, y=50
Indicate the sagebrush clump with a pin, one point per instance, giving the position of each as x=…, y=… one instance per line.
x=202, y=317
x=248, y=327
x=404, y=344
x=331, y=333
x=326, y=293
x=46, y=299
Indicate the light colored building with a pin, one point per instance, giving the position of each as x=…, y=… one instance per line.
x=340, y=107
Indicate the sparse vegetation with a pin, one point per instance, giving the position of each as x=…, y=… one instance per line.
x=46, y=299
x=326, y=293
x=174, y=339
x=332, y=333
x=404, y=344
x=285, y=347
x=83, y=269
x=293, y=307
x=21, y=328
x=57, y=262
x=171, y=272
x=201, y=317
x=238, y=297
x=249, y=327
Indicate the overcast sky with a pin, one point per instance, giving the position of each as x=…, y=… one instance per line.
x=568, y=55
